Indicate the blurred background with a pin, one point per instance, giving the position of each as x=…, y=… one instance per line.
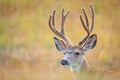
x=27, y=50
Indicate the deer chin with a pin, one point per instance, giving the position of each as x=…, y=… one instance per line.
x=75, y=68
x=69, y=65
x=65, y=66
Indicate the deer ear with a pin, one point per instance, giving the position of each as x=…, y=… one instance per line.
x=60, y=45
x=90, y=43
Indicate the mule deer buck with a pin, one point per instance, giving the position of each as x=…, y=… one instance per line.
x=74, y=55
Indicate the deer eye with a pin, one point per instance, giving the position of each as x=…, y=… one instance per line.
x=76, y=53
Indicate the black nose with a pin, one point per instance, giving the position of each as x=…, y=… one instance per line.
x=64, y=62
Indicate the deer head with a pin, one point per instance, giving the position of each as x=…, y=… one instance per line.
x=74, y=55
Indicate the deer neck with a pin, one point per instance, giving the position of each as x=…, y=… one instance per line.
x=82, y=64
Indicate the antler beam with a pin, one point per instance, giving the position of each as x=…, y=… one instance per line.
x=61, y=33
x=86, y=26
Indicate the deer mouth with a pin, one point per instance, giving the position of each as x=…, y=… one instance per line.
x=65, y=66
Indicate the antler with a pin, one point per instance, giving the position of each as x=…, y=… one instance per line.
x=88, y=28
x=60, y=33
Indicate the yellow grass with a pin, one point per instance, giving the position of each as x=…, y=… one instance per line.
x=27, y=50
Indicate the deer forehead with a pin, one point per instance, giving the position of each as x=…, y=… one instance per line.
x=73, y=49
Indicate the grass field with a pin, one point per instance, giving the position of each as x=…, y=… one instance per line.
x=27, y=50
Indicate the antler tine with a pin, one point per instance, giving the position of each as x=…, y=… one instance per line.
x=51, y=23
x=92, y=14
x=86, y=18
x=53, y=17
x=86, y=27
x=63, y=20
x=83, y=23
